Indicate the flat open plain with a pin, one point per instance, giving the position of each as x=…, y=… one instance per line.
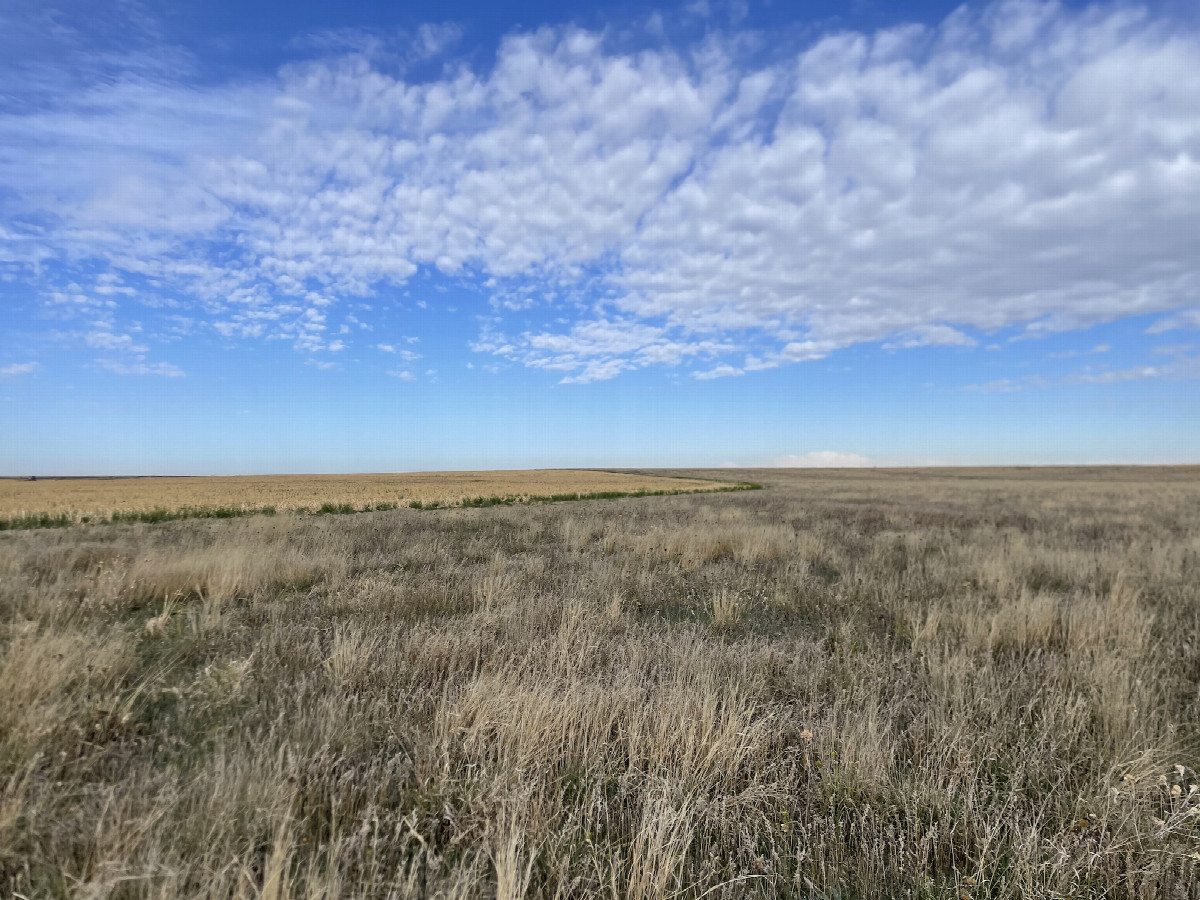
x=77, y=497
x=851, y=684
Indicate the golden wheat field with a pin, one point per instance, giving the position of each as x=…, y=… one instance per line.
x=103, y=496
x=855, y=684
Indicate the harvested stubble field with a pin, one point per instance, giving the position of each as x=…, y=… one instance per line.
x=939, y=684
x=72, y=500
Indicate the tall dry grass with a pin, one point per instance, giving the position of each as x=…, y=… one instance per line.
x=873, y=684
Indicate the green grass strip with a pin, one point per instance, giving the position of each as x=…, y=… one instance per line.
x=151, y=516
x=514, y=499
x=36, y=520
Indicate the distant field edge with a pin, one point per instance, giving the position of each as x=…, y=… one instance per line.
x=517, y=499
x=35, y=520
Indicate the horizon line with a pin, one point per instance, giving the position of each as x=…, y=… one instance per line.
x=630, y=469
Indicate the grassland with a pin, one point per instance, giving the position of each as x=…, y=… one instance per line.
x=55, y=502
x=972, y=683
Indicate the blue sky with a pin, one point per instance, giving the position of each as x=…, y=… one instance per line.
x=304, y=237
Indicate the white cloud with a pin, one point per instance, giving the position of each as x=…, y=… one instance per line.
x=403, y=375
x=1009, y=385
x=1024, y=165
x=820, y=459
x=106, y=340
x=1188, y=318
x=1115, y=376
x=722, y=371
x=1071, y=354
x=13, y=369
x=599, y=349
x=1180, y=367
x=1173, y=349
x=139, y=367
x=931, y=336
x=406, y=355
x=433, y=39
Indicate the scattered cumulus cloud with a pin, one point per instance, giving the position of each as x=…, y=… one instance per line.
x=599, y=349
x=106, y=340
x=1115, y=376
x=139, y=367
x=1019, y=165
x=400, y=353
x=14, y=369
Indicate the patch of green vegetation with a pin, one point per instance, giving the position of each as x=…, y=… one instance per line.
x=346, y=509
x=424, y=504
x=336, y=509
x=476, y=502
x=153, y=516
x=35, y=520
x=149, y=516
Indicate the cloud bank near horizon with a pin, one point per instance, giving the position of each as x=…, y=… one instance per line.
x=722, y=207
x=820, y=459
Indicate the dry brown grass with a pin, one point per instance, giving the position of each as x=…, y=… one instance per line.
x=849, y=685
x=104, y=496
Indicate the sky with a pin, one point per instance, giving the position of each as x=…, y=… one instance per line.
x=258, y=237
